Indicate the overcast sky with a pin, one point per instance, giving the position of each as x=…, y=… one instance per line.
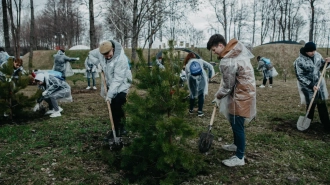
x=200, y=19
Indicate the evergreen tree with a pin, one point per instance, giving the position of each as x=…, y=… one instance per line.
x=13, y=102
x=159, y=154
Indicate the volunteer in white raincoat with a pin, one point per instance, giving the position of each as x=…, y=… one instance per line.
x=268, y=71
x=236, y=96
x=53, y=89
x=3, y=56
x=115, y=65
x=61, y=64
x=307, y=67
x=91, y=72
x=197, y=80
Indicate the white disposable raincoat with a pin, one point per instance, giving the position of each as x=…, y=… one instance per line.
x=198, y=84
x=308, y=73
x=117, y=71
x=91, y=68
x=56, y=88
x=61, y=64
x=3, y=57
x=238, y=87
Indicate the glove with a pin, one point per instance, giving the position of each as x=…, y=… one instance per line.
x=44, y=93
x=216, y=101
x=77, y=58
x=36, y=107
x=39, y=100
x=108, y=99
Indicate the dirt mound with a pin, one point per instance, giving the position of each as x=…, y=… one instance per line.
x=42, y=59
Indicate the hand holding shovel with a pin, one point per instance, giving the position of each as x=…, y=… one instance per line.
x=304, y=122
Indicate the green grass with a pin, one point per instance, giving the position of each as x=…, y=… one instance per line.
x=70, y=149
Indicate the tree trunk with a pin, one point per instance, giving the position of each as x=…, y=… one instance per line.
x=92, y=26
x=5, y=24
x=311, y=26
x=135, y=31
x=32, y=38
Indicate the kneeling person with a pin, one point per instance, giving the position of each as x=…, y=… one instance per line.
x=53, y=89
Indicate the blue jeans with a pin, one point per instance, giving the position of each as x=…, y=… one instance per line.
x=200, y=102
x=237, y=125
x=89, y=74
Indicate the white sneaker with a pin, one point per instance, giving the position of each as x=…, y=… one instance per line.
x=55, y=114
x=50, y=112
x=262, y=86
x=88, y=87
x=270, y=86
x=231, y=148
x=60, y=109
x=234, y=161
x=94, y=87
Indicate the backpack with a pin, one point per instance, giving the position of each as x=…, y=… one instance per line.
x=56, y=74
x=267, y=63
x=195, y=68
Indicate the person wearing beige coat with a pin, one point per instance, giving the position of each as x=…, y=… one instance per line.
x=236, y=96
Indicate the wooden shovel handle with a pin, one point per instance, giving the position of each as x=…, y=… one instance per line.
x=318, y=84
x=108, y=103
x=213, y=114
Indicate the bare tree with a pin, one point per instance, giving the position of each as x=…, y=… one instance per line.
x=32, y=38
x=264, y=20
x=311, y=23
x=5, y=24
x=15, y=24
x=220, y=9
x=255, y=8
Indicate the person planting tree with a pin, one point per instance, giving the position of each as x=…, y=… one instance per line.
x=307, y=68
x=236, y=96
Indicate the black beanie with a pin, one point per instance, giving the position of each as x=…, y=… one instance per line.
x=310, y=46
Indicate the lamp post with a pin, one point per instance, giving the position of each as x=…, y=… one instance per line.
x=54, y=42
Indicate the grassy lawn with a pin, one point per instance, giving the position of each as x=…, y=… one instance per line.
x=70, y=149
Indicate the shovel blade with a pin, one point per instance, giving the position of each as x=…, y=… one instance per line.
x=303, y=123
x=205, y=142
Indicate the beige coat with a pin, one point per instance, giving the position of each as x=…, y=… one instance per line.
x=238, y=88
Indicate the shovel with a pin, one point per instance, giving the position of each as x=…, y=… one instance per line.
x=304, y=122
x=205, y=139
x=116, y=143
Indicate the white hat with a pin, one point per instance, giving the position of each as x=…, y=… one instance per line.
x=40, y=77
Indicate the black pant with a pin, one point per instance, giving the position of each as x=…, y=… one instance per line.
x=117, y=111
x=265, y=80
x=323, y=112
x=200, y=102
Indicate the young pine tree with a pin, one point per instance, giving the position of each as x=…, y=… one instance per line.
x=159, y=153
x=12, y=100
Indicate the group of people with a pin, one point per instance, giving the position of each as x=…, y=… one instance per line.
x=235, y=98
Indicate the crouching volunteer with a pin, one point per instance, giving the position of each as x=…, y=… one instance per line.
x=118, y=77
x=197, y=81
x=53, y=89
x=268, y=70
x=236, y=96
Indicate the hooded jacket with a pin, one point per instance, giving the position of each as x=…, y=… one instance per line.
x=61, y=64
x=308, y=73
x=117, y=71
x=237, y=88
x=56, y=88
x=3, y=57
x=198, y=84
